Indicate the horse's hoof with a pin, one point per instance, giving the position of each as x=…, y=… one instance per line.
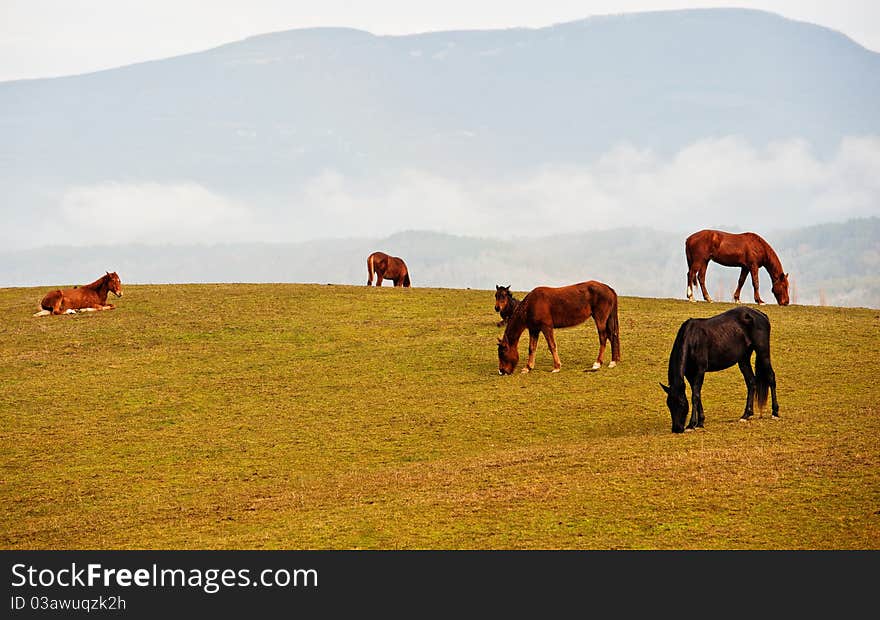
x=596, y=366
x=688, y=430
x=555, y=370
x=743, y=419
x=612, y=364
x=774, y=417
x=524, y=370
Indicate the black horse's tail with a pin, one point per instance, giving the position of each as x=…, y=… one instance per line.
x=762, y=379
x=613, y=329
x=763, y=370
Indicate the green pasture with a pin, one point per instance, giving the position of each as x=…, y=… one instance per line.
x=294, y=416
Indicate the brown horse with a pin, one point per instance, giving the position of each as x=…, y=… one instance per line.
x=388, y=267
x=505, y=303
x=85, y=298
x=545, y=308
x=746, y=250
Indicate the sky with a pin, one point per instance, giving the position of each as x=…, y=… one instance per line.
x=47, y=38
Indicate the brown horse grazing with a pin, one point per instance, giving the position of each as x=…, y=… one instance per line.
x=545, y=308
x=85, y=298
x=746, y=250
x=389, y=267
x=505, y=303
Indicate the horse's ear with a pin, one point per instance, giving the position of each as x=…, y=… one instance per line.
x=786, y=276
x=665, y=388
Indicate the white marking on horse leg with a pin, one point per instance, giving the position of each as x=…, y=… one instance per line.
x=746, y=420
x=688, y=430
x=596, y=366
x=525, y=370
x=612, y=364
x=70, y=311
x=690, y=292
x=774, y=417
x=42, y=313
x=556, y=370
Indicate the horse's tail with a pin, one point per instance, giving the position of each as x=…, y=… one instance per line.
x=613, y=329
x=406, y=281
x=764, y=376
x=762, y=380
x=370, y=270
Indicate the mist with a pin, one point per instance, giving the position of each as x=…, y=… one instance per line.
x=710, y=182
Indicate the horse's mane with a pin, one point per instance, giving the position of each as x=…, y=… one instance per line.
x=517, y=317
x=771, y=263
x=97, y=283
x=677, y=357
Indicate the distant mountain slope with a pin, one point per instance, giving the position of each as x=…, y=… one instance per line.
x=834, y=264
x=254, y=118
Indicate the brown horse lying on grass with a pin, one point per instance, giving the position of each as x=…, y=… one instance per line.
x=545, y=308
x=86, y=298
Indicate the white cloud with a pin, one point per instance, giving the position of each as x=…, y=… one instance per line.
x=148, y=213
x=709, y=183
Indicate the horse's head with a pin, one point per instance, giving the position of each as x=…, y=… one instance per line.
x=502, y=297
x=677, y=402
x=508, y=357
x=780, y=289
x=113, y=284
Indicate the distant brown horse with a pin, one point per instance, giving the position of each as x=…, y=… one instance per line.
x=87, y=298
x=388, y=267
x=505, y=303
x=545, y=308
x=746, y=250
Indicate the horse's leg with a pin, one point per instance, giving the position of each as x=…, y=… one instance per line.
x=745, y=367
x=603, y=339
x=743, y=273
x=771, y=381
x=533, y=345
x=378, y=279
x=755, y=280
x=701, y=275
x=551, y=343
x=696, y=402
x=691, y=281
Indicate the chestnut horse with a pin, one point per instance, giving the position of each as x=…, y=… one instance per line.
x=389, y=267
x=85, y=298
x=746, y=250
x=717, y=343
x=505, y=303
x=545, y=308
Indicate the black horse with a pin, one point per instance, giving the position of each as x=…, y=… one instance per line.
x=505, y=303
x=717, y=343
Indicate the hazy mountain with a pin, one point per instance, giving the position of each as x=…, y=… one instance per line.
x=834, y=264
x=644, y=119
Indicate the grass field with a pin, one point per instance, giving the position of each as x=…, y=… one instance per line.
x=341, y=417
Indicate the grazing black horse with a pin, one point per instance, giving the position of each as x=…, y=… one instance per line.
x=717, y=343
x=505, y=303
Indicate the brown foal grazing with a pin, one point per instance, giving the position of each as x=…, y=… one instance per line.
x=88, y=297
x=545, y=308
x=747, y=251
x=388, y=267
